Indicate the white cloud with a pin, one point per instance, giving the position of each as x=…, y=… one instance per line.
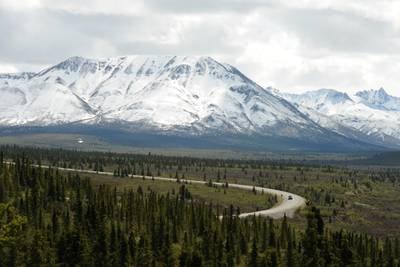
x=7, y=68
x=384, y=10
x=26, y=4
x=293, y=45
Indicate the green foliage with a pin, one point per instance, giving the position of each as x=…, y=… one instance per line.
x=10, y=226
x=53, y=218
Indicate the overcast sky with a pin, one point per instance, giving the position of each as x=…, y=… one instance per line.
x=291, y=45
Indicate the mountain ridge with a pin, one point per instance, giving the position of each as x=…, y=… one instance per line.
x=169, y=95
x=374, y=114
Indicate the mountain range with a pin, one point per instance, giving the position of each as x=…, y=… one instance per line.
x=188, y=100
x=370, y=115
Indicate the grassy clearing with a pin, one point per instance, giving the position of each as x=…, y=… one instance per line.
x=358, y=203
x=223, y=197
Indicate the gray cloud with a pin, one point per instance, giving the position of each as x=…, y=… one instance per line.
x=302, y=45
x=340, y=31
x=206, y=6
x=48, y=35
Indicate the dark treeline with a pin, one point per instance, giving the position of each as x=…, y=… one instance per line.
x=74, y=158
x=51, y=218
x=174, y=166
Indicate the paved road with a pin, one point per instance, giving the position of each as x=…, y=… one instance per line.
x=286, y=206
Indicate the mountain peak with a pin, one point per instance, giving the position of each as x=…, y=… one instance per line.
x=184, y=95
x=167, y=91
x=321, y=100
x=17, y=75
x=379, y=99
x=380, y=93
x=333, y=94
x=71, y=62
x=382, y=90
x=148, y=64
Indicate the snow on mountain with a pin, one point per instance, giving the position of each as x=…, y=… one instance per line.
x=40, y=104
x=323, y=100
x=371, y=116
x=379, y=99
x=16, y=76
x=191, y=96
x=164, y=92
x=11, y=79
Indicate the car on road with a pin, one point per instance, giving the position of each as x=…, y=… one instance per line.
x=290, y=197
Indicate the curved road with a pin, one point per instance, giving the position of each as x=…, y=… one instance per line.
x=288, y=205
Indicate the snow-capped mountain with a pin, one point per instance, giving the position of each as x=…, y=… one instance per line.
x=379, y=99
x=7, y=78
x=170, y=95
x=372, y=116
x=323, y=100
x=161, y=91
